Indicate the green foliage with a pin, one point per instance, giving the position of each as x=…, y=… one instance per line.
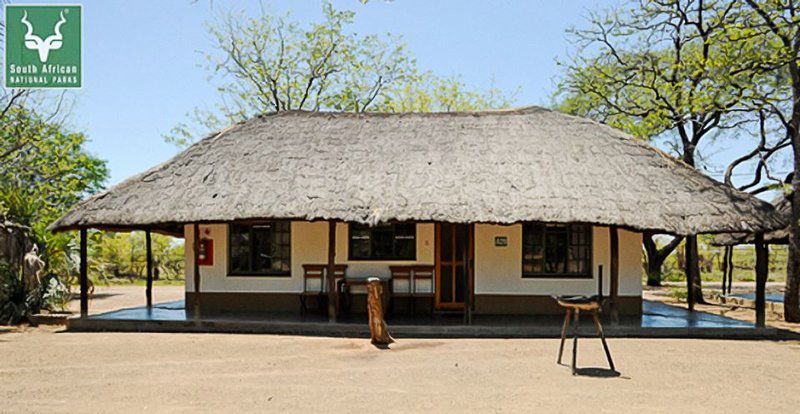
x=710, y=258
x=45, y=171
x=268, y=63
x=122, y=256
x=663, y=70
x=429, y=93
x=682, y=73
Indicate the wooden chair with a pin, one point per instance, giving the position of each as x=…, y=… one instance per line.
x=339, y=273
x=313, y=286
x=401, y=286
x=424, y=274
x=408, y=282
x=574, y=305
x=315, y=283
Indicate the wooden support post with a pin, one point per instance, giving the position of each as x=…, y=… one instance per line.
x=467, y=245
x=378, y=329
x=600, y=284
x=730, y=271
x=725, y=252
x=333, y=296
x=692, y=269
x=762, y=270
x=84, y=273
x=614, y=284
x=149, y=289
x=196, y=251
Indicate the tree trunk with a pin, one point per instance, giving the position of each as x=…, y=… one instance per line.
x=693, y=282
x=791, y=296
x=656, y=257
x=654, y=272
x=377, y=326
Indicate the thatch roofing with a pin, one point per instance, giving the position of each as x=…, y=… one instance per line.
x=783, y=208
x=530, y=164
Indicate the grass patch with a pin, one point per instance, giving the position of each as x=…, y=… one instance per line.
x=678, y=293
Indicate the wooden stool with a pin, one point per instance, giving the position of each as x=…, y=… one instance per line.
x=576, y=304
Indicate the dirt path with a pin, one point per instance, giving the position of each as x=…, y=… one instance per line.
x=41, y=371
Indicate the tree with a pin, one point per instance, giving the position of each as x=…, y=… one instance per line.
x=45, y=170
x=777, y=24
x=661, y=71
x=269, y=64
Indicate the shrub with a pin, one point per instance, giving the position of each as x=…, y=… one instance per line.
x=15, y=304
x=55, y=294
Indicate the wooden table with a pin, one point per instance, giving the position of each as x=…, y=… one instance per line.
x=343, y=289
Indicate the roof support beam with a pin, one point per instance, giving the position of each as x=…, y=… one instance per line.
x=762, y=270
x=333, y=297
x=614, y=284
x=692, y=270
x=149, y=289
x=730, y=270
x=468, y=272
x=84, y=273
x=196, y=254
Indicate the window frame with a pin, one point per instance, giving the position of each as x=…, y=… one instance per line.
x=350, y=249
x=250, y=224
x=562, y=275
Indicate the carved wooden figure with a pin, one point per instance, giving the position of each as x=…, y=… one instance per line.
x=32, y=270
x=378, y=329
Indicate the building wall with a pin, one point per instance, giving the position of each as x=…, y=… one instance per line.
x=309, y=244
x=498, y=270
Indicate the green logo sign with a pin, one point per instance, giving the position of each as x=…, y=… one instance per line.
x=43, y=46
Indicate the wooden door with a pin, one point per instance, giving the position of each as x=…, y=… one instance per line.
x=454, y=250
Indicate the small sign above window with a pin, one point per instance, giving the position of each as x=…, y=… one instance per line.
x=501, y=241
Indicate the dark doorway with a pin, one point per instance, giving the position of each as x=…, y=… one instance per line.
x=454, y=251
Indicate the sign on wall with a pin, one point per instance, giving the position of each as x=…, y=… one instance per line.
x=43, y=46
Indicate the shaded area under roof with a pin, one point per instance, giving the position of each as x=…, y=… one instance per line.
x=529, y=164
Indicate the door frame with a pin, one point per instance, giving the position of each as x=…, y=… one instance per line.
x=470, y=265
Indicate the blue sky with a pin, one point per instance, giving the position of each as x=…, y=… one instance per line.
x=142, y=71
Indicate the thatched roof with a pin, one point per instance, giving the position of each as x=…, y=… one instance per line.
x=530, y=164
x=780, y=236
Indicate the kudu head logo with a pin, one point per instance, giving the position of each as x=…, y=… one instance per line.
x=44, y=47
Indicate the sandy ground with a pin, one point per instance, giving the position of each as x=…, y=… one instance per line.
x=43, y=371
x=108, y=298
x=46, y=370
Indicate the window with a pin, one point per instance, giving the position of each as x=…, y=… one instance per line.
x=556, y=250
x=383, y=242
x=261, y=249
